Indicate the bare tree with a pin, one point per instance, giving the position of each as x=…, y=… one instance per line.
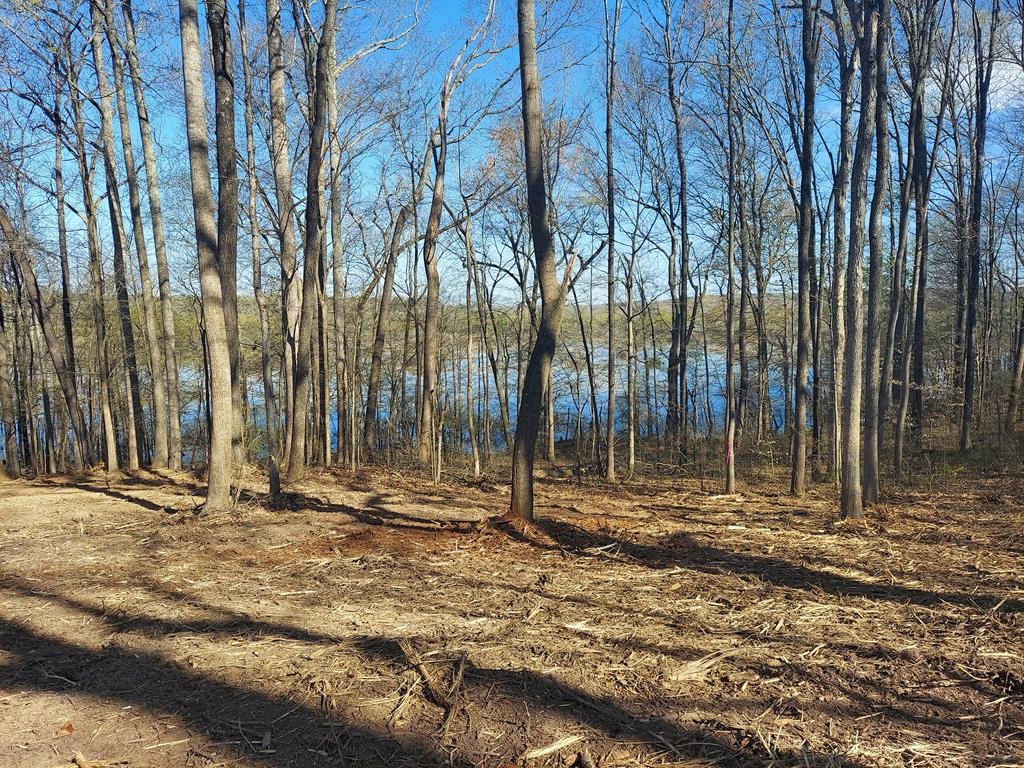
x=984, y=60
x=810, y=40
x=20, y=256
x=219, y=450
x=167, y=330
x=158, y=373
x=611, y=41
x=221, y=50
x=864, y=14
x=552, y=293
x=876, y=245
x=312, y=242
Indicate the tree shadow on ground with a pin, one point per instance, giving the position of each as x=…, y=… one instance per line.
x=377, y=512
x=275, y=731
x=100, y=486
x=864, y=694
x=681, y=550
x=221, y=622
x=284, y=731
x=710, y=741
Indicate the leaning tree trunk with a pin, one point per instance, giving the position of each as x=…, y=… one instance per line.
x=65, y=376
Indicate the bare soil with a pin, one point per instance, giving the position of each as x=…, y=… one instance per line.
x=377, y=620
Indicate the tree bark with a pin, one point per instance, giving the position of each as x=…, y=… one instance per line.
x=153, y=342
x=169, y=337
x=876, y=245
x=984, y=59
x=426, y=438
x=135, y=429
x=65, y=376
x=611, y=39
x=531, y=400
x=221, y=50
x=851, y=503
x=731, y=405
x=219, y=449
x=279, y=156
x=805, y=247
x=266, y=365
x=312, y=242
x=95, y=270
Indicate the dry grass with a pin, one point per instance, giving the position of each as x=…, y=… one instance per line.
x=377, y=620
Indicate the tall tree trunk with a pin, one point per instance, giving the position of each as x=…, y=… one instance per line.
x=62, y=231
x=279, y=156
x=840, y=192
x=153, y=342
x=876, y=245
x=611, y=39
x=805, y=249
x=631, y=389
x=680, y=297
x=222, y=53
x=851, y=503
x=898, y=308
x=95, y=270
x=467, y=236
x=219, y=451
x=135, y=433
x=266, y=365
x=552, y=294
x=426, y=437
x=169, y=337
x=312, y=241
x=984, y=59
x=731, y=405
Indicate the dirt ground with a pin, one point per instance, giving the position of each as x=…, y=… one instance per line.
x=375, y=621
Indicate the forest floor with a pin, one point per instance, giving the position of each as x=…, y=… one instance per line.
x=376, y=621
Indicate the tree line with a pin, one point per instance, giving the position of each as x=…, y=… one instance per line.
x=651, y=236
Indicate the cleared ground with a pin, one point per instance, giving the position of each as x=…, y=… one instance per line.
x=377, y=621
